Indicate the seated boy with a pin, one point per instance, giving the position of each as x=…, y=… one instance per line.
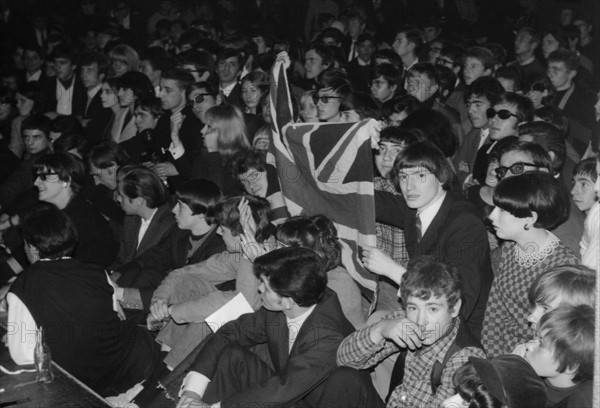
x=188, y=295
x=426, y=333
x=561, y=285
x=302, y=324
x=563, y=354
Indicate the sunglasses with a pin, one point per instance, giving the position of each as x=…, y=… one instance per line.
x=199, y=98
x=43, y=176
x=502, y=113
x=324, y=98
x=516, y=169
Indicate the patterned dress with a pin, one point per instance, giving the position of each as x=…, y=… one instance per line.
x=505, y=323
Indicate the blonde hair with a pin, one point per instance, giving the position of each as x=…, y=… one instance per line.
x=228, y=121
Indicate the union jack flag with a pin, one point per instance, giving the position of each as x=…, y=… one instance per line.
x=327, y=169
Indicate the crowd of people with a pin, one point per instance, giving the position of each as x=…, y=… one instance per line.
x=140, y=193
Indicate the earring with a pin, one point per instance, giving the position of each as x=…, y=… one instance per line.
x=64, y=184
x=526, y=227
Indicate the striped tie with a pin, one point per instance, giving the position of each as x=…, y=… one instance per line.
x=419, y=226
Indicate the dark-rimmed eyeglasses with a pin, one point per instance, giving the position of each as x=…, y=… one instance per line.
x=325, y=98
x=199, y=98
x=516, y=169
x=502, y=114
x=43, y=175
x=443, y=61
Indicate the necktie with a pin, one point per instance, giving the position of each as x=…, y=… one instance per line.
x=419, y=227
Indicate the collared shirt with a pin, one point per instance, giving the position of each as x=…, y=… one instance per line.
x=295, y=324
x=33, y=77
x=360, y=352
x=227, y=90
x=144, y=227
x=428, y=214
x=91, y=93
x=64, y=97
x=483, y=135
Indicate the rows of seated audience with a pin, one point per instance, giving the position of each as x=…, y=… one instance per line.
x=140, y=194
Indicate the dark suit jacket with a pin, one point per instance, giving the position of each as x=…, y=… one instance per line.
x=456, y=235
x=189, y=133
x=159, y=228
x=148, y=270
x=235, y=97
x=299, y=371
x=99, y=118
x=95, y=241
x=79, y=97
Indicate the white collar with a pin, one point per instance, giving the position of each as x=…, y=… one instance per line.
x=92, y=92
x=428, y=214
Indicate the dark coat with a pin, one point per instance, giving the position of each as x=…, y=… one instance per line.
x=456, y=235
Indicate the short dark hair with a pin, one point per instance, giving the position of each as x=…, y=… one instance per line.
x=151, y=104
x=571, y=284
x=107, y=154
x=97, y=58
x=398, y=135
x=569, y=330
x=539, y=156
x=554, y=116
x=446, y=81
x=568, y=57
x=400, y=103
x=37, y=122
x=246, y=160
x=34, y=92
x=523, y=105
x=586, y=167
x=537, y=192
x=324, y=51
x=332, y=32
x=227, y=53
x=427, y=69
x=200, y=195
x=511, y=73
x=297, y=273
x=435, y=127
x=70, y=169
x=137, y=181
x=550, y=138
x=183, y=78
x=202, y=60
x=49, y=230
x=227, y=215
x=535, y=35
x=487, y=87
x=427, y=155
x=482, y=54
x=455, y=53
x=66, y=51
x=389, y=72
x=426, y=277
x=317, y=233
x=66, y=125
x=415, y=36
x=136, y=81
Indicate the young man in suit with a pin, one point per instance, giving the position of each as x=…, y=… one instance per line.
x=145, y=200
x=483, y=93
x=179, y=127
x=94, y=67
x=301, y=323
x=435, y=222
x=230, y=63
x=66, y=94
x=193, y=241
